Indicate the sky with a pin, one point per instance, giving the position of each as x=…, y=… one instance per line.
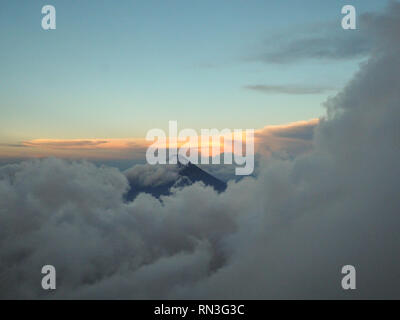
x=114, y=70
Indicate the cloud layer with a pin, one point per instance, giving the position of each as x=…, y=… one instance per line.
x=284, y=234
x=117, y=149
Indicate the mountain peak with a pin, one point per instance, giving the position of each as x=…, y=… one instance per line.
x=188, y=173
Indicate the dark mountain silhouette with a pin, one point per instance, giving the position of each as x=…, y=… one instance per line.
x=195, y=174
x=187, y=175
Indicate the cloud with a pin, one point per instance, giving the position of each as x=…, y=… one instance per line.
x=150, y=175
x=324, y=41
x=296, y=130
x=65, y=144
x=133, y=148
x=12, y=145
x=102, y=149
x=288, y=89
x=283, y=234
x=288, y=140
x=56, y=209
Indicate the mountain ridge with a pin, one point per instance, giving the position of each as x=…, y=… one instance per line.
x=187, y=174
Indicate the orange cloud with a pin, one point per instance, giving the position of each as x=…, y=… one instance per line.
x=87, y=144
x=292, y=138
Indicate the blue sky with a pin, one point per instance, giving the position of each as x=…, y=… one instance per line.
x=115, y=69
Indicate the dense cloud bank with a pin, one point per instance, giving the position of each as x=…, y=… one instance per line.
x=284, y=234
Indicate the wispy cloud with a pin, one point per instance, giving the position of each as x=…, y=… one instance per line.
x=85, y=143
x=12, y=145
x=288, y=89
x=317, y=42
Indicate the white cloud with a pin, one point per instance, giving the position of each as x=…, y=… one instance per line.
x=150, y=175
